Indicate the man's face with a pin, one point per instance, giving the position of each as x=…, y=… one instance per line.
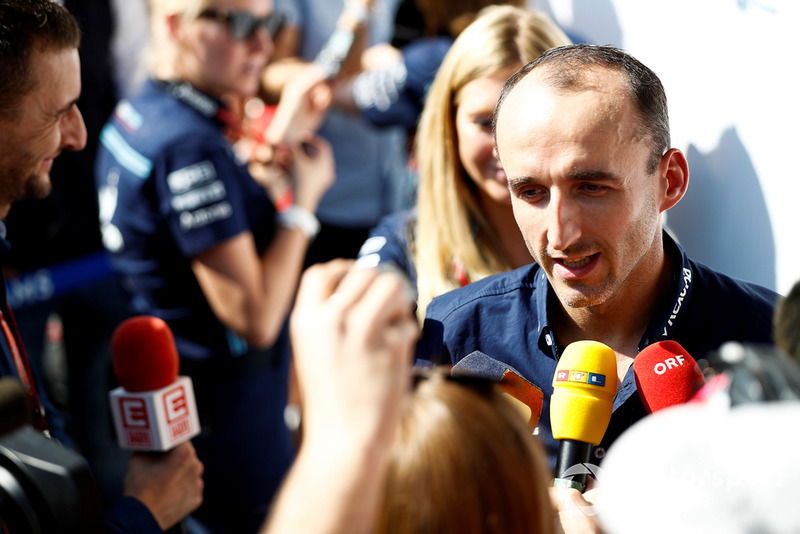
x=581, y=194
x=48, y=122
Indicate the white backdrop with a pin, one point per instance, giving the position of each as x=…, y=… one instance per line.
x=732, y=76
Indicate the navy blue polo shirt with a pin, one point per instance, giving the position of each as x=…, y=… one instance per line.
x=170, y=188
x=505, y=316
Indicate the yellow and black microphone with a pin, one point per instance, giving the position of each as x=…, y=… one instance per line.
x=584, y=387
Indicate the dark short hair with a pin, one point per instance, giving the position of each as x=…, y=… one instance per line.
x=786, y=322
x=28, y=26
x=566, y=68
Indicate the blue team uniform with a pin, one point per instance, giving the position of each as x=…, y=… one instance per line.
x=170, y=188
x=389, y=242
x=505, y=316
x=396, y=95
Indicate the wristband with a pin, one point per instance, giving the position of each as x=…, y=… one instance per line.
x=300, y=218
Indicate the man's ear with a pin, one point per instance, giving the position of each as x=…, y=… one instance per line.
x=173, y=25
x=673, y=173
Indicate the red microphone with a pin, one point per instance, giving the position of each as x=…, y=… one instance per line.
x=154, y=409
x=666, y=375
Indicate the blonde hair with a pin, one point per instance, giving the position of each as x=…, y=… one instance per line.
x=162, y=52
x=464, y=461
x=450, y=225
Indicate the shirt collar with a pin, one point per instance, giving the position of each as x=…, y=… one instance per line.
x=547, y=341
x=186, y=93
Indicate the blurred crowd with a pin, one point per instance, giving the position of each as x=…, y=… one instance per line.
x=291, y=184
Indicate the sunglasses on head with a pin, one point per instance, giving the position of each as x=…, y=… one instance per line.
x=478, y=384
x=242, y=24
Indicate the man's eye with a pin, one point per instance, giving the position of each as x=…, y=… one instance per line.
x=530, y=194
x=593, y=188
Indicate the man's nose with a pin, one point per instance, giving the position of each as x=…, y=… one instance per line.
x=73, y=130
x=564, y=227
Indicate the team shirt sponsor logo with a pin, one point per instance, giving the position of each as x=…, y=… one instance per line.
x=128, y=117
x=192, y=176
x=213, y=192
x=583, y=377
x=372, y=245
x=687, y=281
x=189, y=220
x=369, y=256
x=199, y=195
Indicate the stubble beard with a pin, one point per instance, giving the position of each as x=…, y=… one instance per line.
x=37, y=186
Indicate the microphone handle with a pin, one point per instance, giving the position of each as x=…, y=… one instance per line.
x=571, y=453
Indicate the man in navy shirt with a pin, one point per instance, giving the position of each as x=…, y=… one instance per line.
x=39, y=86
x=583, y=136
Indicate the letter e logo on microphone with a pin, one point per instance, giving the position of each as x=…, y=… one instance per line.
x=134, y=413
x=175, y=404
x=596, y=379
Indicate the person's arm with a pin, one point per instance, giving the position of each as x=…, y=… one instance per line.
x=170, y=485
x=352, y=333
x=378, y=66
x=391, y=90
x=341, y=54
x=252, y=294
x=284, y=63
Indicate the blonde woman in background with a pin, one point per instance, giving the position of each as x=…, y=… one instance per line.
x=463, y=228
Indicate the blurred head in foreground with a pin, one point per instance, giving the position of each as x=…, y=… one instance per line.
x=464, y=461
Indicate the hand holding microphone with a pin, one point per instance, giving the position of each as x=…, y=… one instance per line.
x=154, y=410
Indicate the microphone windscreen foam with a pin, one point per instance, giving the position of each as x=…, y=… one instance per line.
x=666, y=375
x=584, y=387
x=145, y=357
